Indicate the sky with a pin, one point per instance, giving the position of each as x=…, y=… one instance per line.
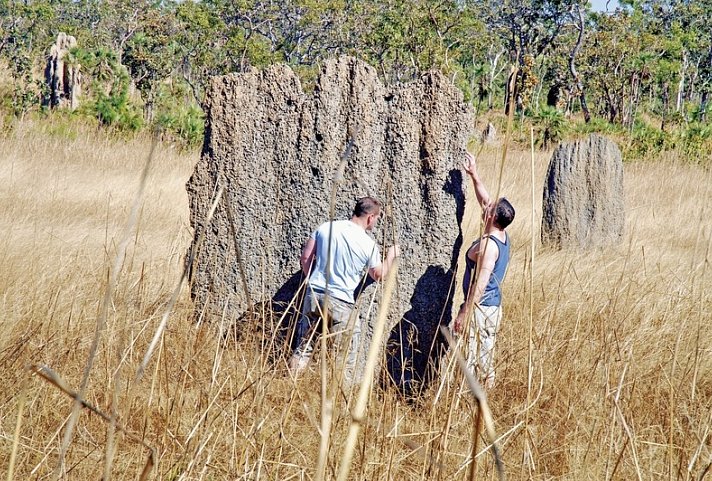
x=600, y=5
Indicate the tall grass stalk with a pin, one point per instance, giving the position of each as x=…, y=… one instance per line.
x=530, y=344
x=327, y=399
x=484, y=413
x=176, y=292
x=55, y=380
x=101, y=320
x=16, y=435
x=626, y=427
x=374, y=354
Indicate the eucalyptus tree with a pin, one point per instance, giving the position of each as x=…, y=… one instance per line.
x=691, y=31
x=24, y=35
x=529, y=29
x=150, y=54
x=577, y=14
x=614, y=63
x=405, y=38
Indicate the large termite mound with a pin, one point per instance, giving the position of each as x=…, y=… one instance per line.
x=583, y=195
x=63, y=74
x=275, y=151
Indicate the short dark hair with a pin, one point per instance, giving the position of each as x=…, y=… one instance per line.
x=504, y=213
x=365, y=206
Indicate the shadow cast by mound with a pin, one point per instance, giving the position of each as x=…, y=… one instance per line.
x=415, y=346
x=272, y=321
x=286, y=305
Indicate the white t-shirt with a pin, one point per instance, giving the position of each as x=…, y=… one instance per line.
x=353, y=251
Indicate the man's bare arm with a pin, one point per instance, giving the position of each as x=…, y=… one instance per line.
x=381, y=271
x=307, y=257
x=483, y=197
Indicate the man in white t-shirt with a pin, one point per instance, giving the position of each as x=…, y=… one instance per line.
x=339, y=272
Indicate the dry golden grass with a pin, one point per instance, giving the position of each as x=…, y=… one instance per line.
x=621, y=360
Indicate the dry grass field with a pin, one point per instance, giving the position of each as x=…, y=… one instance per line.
x=604, y=359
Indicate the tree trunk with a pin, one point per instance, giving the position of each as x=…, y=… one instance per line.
x=148, y=110
x=510, y=91
x=634, y=99
x=493, y=60
x=572, y=66
x=666, y=105
x=689, y=94
x=681, y=85
x=584, y=107
x=610, y=105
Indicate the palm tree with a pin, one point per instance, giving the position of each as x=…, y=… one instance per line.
x=550, y=125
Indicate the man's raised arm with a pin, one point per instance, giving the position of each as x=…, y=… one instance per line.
x=483, y=196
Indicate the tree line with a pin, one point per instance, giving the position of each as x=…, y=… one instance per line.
x=643, y=69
